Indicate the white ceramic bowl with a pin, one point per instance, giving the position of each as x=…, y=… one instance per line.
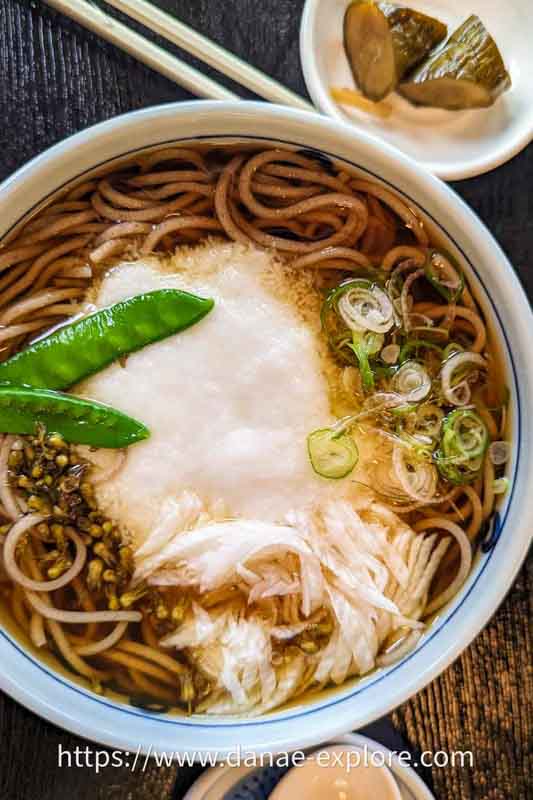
x=52, y=694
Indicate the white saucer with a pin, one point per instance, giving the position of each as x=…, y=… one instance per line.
x=214, y=783
x=451, y=144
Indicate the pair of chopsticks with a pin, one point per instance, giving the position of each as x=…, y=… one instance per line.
x=92, y=17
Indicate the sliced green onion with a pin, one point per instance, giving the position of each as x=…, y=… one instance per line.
x=355, y=315
x=366, y=308
x=332, y=299
x=464, y=434
x=417, y=344
x=452, y=472
x=363, y=345
x=382, y=371
x=429, y=420
x=394, y=286
x=499, y=452
x=451, y=349
x=500, y=485
x=444, y=274
x=338, y=334
x=434, y=332
x=412, y=381
x=332, y=454
x=420, y=445
x=390, y=353
x=415, y=475
x=462, y=363
x=403, y=410
x=463, y=445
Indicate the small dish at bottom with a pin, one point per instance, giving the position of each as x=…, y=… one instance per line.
x=216, y=782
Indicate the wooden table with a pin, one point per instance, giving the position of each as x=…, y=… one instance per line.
x=56, y=79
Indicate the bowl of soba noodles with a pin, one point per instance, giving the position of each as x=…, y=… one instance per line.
x=264, y=441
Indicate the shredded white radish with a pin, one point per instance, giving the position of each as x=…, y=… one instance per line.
x=207, y=556
x=174, y=515
x=15, y=573
x=367, y=571
x=288, y=631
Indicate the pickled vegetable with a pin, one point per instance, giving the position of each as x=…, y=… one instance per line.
x=383, y=41
x=468, y=72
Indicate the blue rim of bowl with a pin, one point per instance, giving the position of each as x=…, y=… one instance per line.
x=280, y=716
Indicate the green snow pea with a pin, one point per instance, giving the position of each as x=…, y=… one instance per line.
x=75, y=351
x=23, y=409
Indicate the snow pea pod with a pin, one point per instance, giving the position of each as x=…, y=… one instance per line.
x=75, y=351
x=79, y=421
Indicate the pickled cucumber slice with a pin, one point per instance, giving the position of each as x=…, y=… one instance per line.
x=468, y=72
x=383, y=41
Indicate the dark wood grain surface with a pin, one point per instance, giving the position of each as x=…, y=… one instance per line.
x=56, y=79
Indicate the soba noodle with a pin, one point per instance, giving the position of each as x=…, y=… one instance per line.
x=137, y=636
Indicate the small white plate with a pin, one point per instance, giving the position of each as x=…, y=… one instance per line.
x=216, y=782
x=452, y=144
